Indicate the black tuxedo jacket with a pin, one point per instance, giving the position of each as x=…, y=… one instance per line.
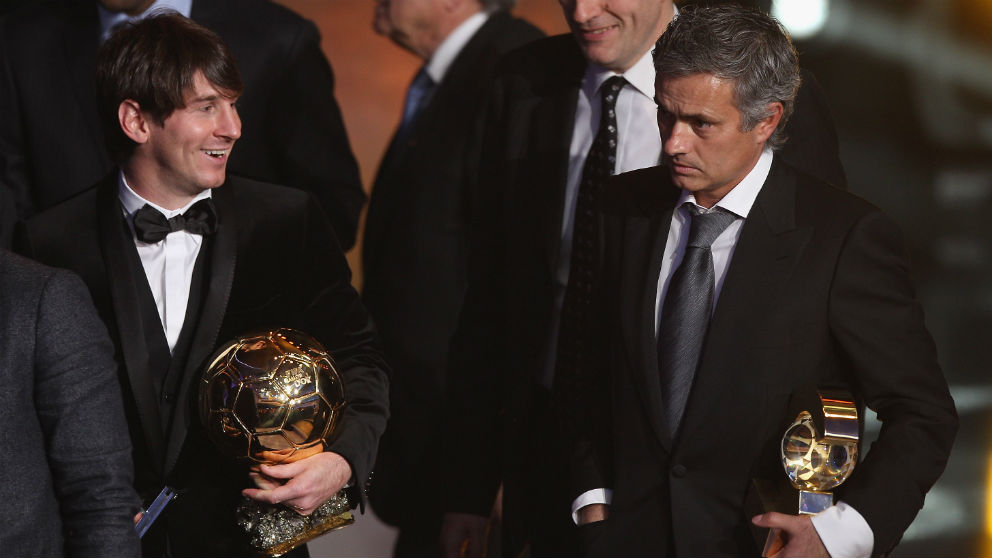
x=415, y=253
x=501, y=341
x=817, y=293
x=51, y=138
x=273, y=263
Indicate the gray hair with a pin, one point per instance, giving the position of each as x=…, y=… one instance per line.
x=735, y=43
x=497, y=5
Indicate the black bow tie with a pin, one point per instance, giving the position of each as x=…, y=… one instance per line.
x=151, y=226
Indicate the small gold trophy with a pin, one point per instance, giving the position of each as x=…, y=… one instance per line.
x=819, y=451
x=275, y=397
x=818, y=455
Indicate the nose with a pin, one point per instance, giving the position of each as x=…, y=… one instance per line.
x=673, y=138
x=581, y=11
x=229, y=123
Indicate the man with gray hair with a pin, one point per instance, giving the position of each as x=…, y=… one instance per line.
x=728, y=280
x=415, y=249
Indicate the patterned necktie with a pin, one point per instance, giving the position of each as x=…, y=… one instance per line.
x=150, y=226
x=417, y=97
x=686, y=312
x=599, y=166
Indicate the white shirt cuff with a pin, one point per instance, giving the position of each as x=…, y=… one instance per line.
x=843, y=531
x=594, y=496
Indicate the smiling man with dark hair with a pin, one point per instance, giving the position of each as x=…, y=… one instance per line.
x=179, y=257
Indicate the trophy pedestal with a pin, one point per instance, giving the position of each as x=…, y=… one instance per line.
x=812, y=502
x=275, y=529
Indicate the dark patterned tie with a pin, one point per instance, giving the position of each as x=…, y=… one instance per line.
x=685, y=314
x=150, y=226
x=599, y=166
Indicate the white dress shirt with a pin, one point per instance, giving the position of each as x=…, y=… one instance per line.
x=842, y=529
x=638, y=147
x=453, y=44
x=168, y=263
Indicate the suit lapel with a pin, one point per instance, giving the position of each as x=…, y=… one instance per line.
x=223, y=256
x=644, y=247
x=767, y=251
x=114, y=239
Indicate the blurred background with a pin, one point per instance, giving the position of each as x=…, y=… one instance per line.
x=910, y=86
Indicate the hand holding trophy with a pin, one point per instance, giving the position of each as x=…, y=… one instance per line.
x=274, y=397
x=819, y=451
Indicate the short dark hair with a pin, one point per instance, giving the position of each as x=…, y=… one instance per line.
x=154, y=62
x=734, y=43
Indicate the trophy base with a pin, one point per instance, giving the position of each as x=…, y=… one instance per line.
x=275, y=530
x=812, y=502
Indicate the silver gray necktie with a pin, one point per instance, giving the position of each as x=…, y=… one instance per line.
x=686, y=312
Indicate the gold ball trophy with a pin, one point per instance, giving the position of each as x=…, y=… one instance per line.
x=818, y=450
x=275, y=397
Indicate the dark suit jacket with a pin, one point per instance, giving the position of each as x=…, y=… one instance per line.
x=66, y=465
x=818, y=293
x=51, y=139
x=415, y=253
x=502, y=336
x=273, y=263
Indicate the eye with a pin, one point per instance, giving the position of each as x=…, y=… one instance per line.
x=206, y=108
x=701, y=124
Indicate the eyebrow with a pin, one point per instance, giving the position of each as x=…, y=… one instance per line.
x=211, y=97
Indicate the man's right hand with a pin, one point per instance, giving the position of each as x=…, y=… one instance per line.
x=463, y=534
x=593, y=513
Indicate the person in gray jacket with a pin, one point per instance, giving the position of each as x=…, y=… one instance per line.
x=65, y=468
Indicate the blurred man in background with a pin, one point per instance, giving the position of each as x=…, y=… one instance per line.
x=415, y=249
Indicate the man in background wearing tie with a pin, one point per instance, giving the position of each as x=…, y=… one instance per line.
x=415, y=248
x=293, y=131
x=179, y=258
x=728, y=280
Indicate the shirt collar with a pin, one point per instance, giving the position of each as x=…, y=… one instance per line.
x=741, y=197
x=640, y=76
x=110, y=19
x=132, y=202
x=449, y=48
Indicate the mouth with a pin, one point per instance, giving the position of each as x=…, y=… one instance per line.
x=596, y=33
x=218, y=154
x=678, y=167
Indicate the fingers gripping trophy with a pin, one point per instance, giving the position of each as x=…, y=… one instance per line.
x=268, y=398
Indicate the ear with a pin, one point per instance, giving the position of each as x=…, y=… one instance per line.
x=767, y=125
x=133, y=121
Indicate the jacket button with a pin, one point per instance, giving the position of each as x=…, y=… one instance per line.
x=678, y=471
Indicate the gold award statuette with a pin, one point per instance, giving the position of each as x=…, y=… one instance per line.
x=819, y=450
x=818, y=455
x=275, y=397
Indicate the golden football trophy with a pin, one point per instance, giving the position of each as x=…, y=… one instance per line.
x=818, y=451
x=275, y=397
